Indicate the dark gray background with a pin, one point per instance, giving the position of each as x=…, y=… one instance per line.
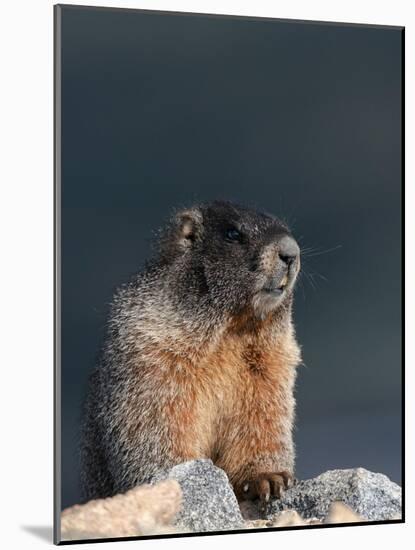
x=303, y=120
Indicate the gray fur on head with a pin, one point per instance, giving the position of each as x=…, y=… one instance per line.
x=205, y=266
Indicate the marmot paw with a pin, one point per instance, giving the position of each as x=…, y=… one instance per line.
x=265, y=485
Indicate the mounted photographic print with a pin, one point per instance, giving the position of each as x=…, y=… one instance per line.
x=228, y=297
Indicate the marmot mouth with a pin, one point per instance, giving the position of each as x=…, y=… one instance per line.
x=276, y=290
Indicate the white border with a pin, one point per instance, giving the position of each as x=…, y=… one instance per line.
x=26, y=313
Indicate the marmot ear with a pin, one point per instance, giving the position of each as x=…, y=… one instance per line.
x=189, y=226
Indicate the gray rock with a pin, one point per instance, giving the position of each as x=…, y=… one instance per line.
x=373, y=496
x=209, y=503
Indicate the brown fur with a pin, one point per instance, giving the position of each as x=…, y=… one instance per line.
x=233, y=403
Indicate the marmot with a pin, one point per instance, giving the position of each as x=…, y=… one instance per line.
x=200, y=358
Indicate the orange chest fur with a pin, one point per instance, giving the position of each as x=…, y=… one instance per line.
x=241, y=370
x=243, y=381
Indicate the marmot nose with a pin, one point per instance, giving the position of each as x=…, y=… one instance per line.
x=288, y=249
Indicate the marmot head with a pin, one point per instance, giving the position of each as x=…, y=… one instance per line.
x=238, y=258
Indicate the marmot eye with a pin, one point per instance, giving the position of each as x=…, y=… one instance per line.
x=233, y=234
